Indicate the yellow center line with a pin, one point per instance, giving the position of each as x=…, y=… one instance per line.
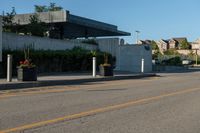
x=96, y=111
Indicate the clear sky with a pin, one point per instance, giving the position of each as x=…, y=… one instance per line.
x=155, y=19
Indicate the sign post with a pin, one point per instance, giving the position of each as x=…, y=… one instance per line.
x=142, y=66
x=94, y=66
x=9, y=68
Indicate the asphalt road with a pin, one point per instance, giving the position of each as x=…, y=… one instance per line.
x=166, y=104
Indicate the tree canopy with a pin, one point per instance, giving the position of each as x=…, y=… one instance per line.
x=36, y=27
x=44, y=8
x=8, y=25
x=154, y=45
x=185, y=45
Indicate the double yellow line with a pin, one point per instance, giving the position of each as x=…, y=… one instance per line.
x=96, y=111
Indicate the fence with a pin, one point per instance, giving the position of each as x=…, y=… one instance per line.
x=13, y=41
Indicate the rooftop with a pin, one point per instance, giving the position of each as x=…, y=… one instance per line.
x=73, y=26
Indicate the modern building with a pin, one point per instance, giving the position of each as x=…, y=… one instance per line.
x=71, y=28
x=62, y=24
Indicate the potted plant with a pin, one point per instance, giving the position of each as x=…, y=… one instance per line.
x=106, y=69
x=26, y=71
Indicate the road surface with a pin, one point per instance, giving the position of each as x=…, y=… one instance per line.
x=165, y=104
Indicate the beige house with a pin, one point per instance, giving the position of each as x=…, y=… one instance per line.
x=175, y=43
x=163, y=45
x=196, y=44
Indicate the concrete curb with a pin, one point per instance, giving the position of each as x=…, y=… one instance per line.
x=21, y=85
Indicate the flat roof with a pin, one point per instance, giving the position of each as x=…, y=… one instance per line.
x=74, y=26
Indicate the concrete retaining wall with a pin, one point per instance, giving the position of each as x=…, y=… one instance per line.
x=186, y=52
x=129, y=58
x=158, y=68
x=17, y=42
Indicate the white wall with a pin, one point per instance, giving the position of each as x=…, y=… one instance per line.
x=105, y=44
x=129, y=58
x=0, y=38
x=109, y=45
x=13, y=42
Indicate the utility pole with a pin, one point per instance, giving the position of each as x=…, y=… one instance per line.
x=196, y=57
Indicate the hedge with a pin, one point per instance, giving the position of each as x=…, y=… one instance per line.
x=77, y=59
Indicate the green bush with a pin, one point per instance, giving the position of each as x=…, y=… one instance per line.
x=176, y=61
x=171, y=52
x=77, y=59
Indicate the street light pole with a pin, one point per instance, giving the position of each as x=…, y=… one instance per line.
x=196, y=57
x=137, y=36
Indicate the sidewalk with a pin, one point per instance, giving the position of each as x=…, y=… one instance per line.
x=69, y=79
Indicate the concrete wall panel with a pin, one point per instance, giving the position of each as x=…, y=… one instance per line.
x=47, y=17
x=17, y=42
x=129, y=58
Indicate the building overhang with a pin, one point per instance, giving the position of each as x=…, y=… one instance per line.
x=73, y=26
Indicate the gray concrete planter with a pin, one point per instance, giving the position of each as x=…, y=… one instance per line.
x=27, y=74
x=106, y=70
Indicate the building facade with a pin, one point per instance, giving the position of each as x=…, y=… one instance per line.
x=62, y=24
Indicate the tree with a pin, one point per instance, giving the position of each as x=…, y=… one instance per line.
x=171, y=52
x=51, y=7
x=156, y=50
x=40, y=8
x=8, y=25
x=154, y=45
x=36, y=27
x=185, y=45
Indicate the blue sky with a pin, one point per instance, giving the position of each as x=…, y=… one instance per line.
x=155, y=19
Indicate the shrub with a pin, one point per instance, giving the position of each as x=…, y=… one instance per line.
x=171, y=52
x=176, y=61
x=77, y=59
